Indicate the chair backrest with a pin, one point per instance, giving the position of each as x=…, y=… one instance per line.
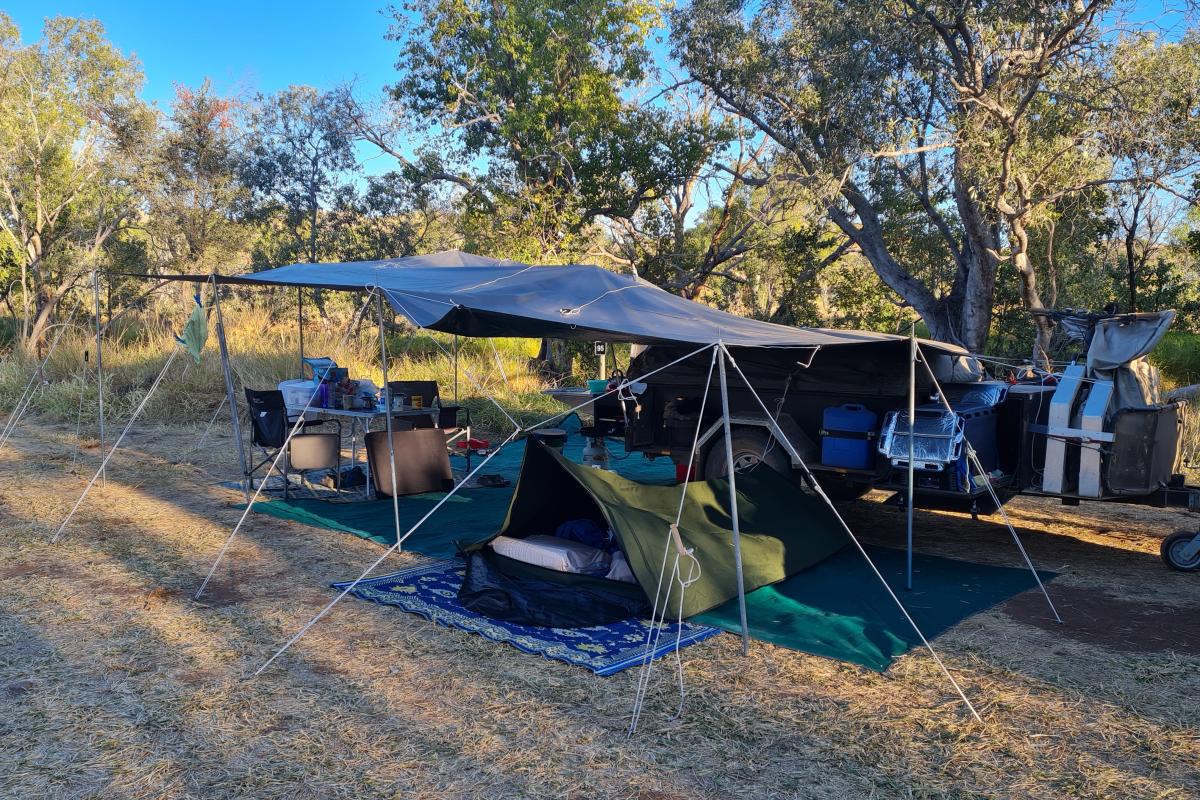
x=426, y=390
x=422, y=463
x=314, y=451
x=268, y=417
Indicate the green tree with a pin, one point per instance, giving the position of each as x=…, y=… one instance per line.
x=73, y=135
x=194, y=191
x=298, y=157
x=525, y=106
x=939, y=137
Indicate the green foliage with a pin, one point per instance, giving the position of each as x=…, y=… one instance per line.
x=298, y=157
x=73, y=136
x=537, y=90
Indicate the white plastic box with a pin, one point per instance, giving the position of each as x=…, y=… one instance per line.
x=296, y=393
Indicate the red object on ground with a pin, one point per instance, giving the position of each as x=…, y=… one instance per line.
x=681, y=473
x=474, y=444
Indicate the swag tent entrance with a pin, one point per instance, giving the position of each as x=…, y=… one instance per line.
x=465, y=295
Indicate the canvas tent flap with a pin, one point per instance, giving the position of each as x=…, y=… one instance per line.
x=783, y=530
x=1122, y=339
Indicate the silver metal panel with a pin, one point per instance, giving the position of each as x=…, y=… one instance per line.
x=1095, y=409
x=1061, y=406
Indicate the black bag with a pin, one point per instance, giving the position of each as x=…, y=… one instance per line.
x=509, y=590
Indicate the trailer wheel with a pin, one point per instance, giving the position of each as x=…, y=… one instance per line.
x=1180, y=551
x=752, y=447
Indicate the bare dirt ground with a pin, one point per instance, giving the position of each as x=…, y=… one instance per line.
x=115, y=684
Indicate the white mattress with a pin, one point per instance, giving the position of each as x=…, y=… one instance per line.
x=553, y=553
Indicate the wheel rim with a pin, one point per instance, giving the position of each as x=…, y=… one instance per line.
x=1177, y=551
x=744, y=462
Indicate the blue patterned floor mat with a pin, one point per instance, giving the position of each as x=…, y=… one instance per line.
x=431, y=590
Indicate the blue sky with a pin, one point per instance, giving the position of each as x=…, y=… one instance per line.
x=252, y=45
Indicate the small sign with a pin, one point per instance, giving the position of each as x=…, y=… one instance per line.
x=599, y=348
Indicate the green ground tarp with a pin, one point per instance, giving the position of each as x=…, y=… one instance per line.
x=839, y=609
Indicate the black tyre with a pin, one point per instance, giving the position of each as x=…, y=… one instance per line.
x=1174, y=552
x=752, y=448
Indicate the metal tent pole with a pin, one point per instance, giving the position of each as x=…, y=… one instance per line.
x=230, y=394
x=733, y=508
x=387, y=417
x=456, y=369
x=99, y=366
x=300, y=315
x=912, y=411
x=128, y=425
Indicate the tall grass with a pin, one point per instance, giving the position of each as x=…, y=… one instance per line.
x=262, y=356
x=1177, y=357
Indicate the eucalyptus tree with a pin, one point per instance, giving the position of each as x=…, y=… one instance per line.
x=194, y=191
x=297, y=160
x=532, y=111
x=936, y=135
x=73, y=138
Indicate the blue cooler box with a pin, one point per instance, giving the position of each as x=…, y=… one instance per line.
x=847, y=436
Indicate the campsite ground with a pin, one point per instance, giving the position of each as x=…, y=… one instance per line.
x=114, y=683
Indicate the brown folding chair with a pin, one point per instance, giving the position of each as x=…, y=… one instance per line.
x=421, y=461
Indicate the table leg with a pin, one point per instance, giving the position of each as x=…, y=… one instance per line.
x=366, y=426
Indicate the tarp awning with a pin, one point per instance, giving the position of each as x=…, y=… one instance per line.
x=469, y=295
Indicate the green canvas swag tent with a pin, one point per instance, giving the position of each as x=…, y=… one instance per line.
x=783, y=531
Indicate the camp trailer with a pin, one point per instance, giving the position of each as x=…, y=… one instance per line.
x=1098, y=430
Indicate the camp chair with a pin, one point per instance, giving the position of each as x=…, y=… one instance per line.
x=270, y=424
x=421, y=460
x=448, y=419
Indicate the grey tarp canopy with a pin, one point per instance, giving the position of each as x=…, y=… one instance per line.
x=469, y=295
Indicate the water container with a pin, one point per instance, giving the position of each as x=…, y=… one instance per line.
x=847, y=434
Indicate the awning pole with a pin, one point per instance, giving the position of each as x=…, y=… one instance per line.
x=456, y=368
x=912, y=411
x=387, y=418
x=99, y=367
x=230, y=394
x=128, y=425
x=733, y=508
x=300, y=315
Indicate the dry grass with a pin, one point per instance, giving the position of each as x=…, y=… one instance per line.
x=114, y=684
x=262, y=355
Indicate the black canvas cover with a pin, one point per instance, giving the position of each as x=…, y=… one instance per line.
x=783, y=530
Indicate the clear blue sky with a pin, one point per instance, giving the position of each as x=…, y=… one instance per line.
x=264, y=45
x=251, y=45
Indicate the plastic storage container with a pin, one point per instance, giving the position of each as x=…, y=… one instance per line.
x=847, y=434
x=296, y=393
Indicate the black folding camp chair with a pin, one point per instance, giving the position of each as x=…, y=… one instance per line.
x=270, y=424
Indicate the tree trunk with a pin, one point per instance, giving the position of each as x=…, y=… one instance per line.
x=555, y=357
x=979, y=263
x=1131, y=268
x=1029, y=291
